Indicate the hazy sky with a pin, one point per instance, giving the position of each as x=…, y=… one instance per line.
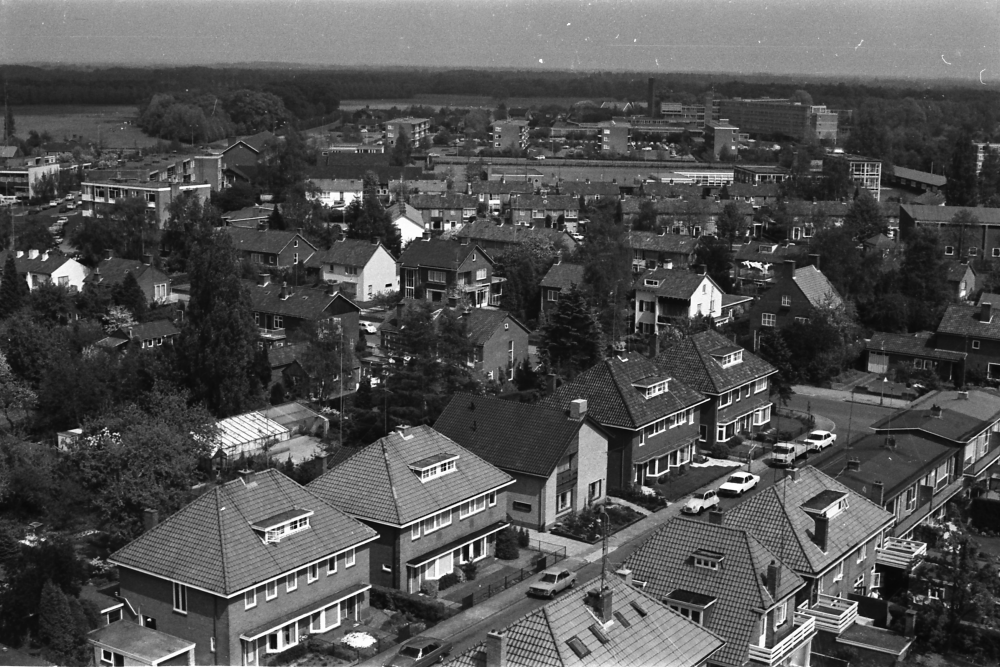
x=885, y=38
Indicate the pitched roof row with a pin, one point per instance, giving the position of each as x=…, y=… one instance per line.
x=691, y=360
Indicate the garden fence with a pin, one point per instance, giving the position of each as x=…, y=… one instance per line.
x=548, y=555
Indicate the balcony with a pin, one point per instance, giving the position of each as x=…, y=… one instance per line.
x=831, y=614
x=271, y=334
x=804, y=631
x=938, y=500
x=900, y=553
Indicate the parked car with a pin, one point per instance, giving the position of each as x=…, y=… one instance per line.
x=701, y=501
x=369, y=327
x=420, y=652
x=784, y=453
x=820, y=440
x=738, y=484
x=552, y=582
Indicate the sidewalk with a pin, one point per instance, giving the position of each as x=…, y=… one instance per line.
x=847, y=397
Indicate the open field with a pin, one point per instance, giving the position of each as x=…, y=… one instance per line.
x=464, y=101
x=112, y=126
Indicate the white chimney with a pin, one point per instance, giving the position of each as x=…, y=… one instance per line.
x=578, y=408
x=32, y=254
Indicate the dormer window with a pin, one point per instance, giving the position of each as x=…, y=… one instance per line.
x=434, y=466
x=827, y=503
x=707, y=560
x=690, y=605
x=728, y=356
x=649, y=282
x=653, y=386
x=276, y=528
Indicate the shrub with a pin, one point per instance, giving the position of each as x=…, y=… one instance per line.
x=507, y=545
x=449, y=580
x=430, y=588
x=720, y=450
x=523, y=538
x=291, y=654
x=430, y=611
x=470, y=571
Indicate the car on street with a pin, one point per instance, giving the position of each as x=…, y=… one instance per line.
x=701, y=501
x=552, y=582
x=420, y=652
x=738, y=484
x=820, y=440
x=369, y=327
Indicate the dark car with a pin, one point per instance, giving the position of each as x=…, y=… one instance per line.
x=420, y=652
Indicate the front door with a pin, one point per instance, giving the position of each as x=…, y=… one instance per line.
x=348, y=609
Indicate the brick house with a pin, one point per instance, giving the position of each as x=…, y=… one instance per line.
x=725, y=580
x=366, y=265
x=552, y=211
x=245, y=152
x=958, y=242
x=495, y=195
x=499, y=343
x=243, y=572
x=112, y=270
x=146, y=335
x=448, y=273
x=734, y=380
x=661, y=296
x=650, y=416
x=888, y=351
x=560, y=278
x=793, y=297
x=961, y=280
x=279, y=310
x=494, y=238
x=971, y=330
x=435, y=504
x=271, y=247
x=445, y=211
x=651, y=250
x=559, y=462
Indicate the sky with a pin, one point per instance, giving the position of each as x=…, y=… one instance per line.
x=957, y=39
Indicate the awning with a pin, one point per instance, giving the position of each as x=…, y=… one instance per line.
x=659, y=455
x=274, y=624
x=457, y=544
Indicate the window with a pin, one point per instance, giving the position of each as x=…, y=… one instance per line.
x=553, y=294
x=949, y=250
x=331, y=566
x=250, y=599
x=693, y=614
x=975, y=345
x=211, y=645
x=353, y=271
x=291, y=582
x=647, y=306
x=594, y=491
x=767, y=320
x=470, y=507
x=786, y=301
x=563, y=501
x=840, y=572
x=518, y=506
x=436, y=277
x=295, y=243
x=972, y=251
x=996, y=252
x=862, y=553
x=802, y=320
x=349, y=558
x=415, y=531
x=492, y=498
x=279, y=321
x=480, y=274
x=706, y=563
x=725, y=399
x=859, y=583
x=935, y=593
x=780, y=615
x=760, y=385
x=436, y=522
x=180, y=598
x=313, y=573
x=271, y=590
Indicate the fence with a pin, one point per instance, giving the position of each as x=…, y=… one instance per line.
x=548, y=554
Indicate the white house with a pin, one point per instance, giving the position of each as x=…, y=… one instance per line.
x=368, y=265
x=408, y=220
x=664, y=294
x=337, y=193
x=40, y=267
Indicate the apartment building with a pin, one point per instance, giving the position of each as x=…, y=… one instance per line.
x=783, y=117
x=512, y=134
x=721, y=135
x=865, y=172
x=415, y=129
x=614, y=135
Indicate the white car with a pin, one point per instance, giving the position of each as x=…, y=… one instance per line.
x=369, y=327
x=820, y=440
x=738, y=484
x=701, y=501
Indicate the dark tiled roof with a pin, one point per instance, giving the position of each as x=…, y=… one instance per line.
x=804, y=209
x=816, y=287
x=210, y=544
x=501, y=187
x=613, y=401
x=674, y=283
x=258, y=141
x=483, y=322
x=658, y=637
x=679, y=190
x=664, y=562
x=286, y=354
x=264, y=240
x=349, y=252
x=990, y=298
x=450, y=200
x=44, y=264
x=936, y=180
x=770, y=253
x=113, y=271
x=691, y=360
x=989, y=216
x=750, y=190
x=880, y=242
x=482, y=425
x=966, y=321
x=957, y=271
x=154, y=329
x=439, y=253
x=776, y=518
x=487, y=231
x=673, y=243
x=564, y=275
x=545, y=202
x=305, y=303
x=378, y=484
x=577, y=188
x=910, y=344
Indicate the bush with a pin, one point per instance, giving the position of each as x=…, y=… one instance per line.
x=291, y=654
x=430, y=588
x=449, y=580
x=429, y=611
x=523, y=538
x=720, y=450
x=507, y=545
x=470, y=570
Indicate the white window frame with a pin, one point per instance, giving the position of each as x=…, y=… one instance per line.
x=568, y=505
x=491, y=498
x=859, y=581
x=291, y=581
x=312, y=573
x=268, y=587
x=331, y=565
x=862, y=553
x=180, y=598
x=949, y=250
x=350, y=558
x=481, y=274
x=415, y=532
x=472, y=506
x=760, y=385
x=780, y=615
x=595, y=490
x=767, y=319
x=975, y=345
x=786, y=301
x=250, y=599
x=438, y=277
x=840, y=572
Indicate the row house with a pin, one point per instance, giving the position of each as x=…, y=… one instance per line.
x=243, y=573
x=554, y=211
x=758, y=195
x=794, y=296
x=687, y=217
x=664, y=295
x=448, y=273
x=445, y=211
x=283, y=310
x=496, y=238
x=495, y=195
x=914, y=180
x=499, y=343
x=558, y=280
x=47, y=267
x=735, y=382
x=657, y=190
x=111, y=271
x=979, y=239
x=613, y=624
x=336, y=193
x=725, y=580
x=971, y=331
x=591, y=191
x=366, y=266
x=651, y=250
x=271, y=248
x=889, y=351
x=559, y=461
x=807, y=217
x=757, y=262
x=435, y=505
x=650, y=416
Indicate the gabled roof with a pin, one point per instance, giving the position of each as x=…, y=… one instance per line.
x=210, y=545
x=439, y=253
x=770, y=253
x=500, y=187
x=672, y=190
x=482, y=425
x=280, y=357
x=449, y=200
x=673, y=283
x=672, y=243
x=665, y=563
x=147, y=330
x=935, y=180
x=691, y=360
x=113, y=271
x=544, y=202
x=378, y=484
x=565, y=274
x=403, y=209
x=816, y=287
x=257, y=141
x=487, y=231
x=917, y=345
x=253, y=213
x=612, y=400
x=349, y=252
x=264, y=240
x=577, y=188
x=956, y=271
x=484, y=322
x=804, y=209
x=751, y=190
x=45, y=263
x=990, y=298
x=986, y=216
x=304, y=303
x=339, y=184
x=967, y=321
x=658, y=636
x=776, y=518
x=880, y=242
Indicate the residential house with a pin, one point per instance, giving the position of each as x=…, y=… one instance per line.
x=496, y=194
x=889, y=351
x=795, y=295
x=734, y=380
x=336, y=193
x=244, y=572
x=436, y=505
x=147, y=335
x=271, y=247
x=755, y=195
x=245, y=151
x=448, y=273
x=447, y=211
x=559, y=461
x=499, y=343
x=286, y=366
x=656, y=190
x=650, y=416
x=664, y=295
x=687, y=217
x=560, y=278
x=591, y=191
x=111, y=271
x=972, y=331
x=22, y=177
x=251, y=217
x=47, y=268
x=367, y=266
x=725, y=580
x=651, y=250
x=593, y=627
x=809, y=217
x=961, y=280
x=408, y=220
x=735, y=306
x=979, y=239
x=553, y=211
x=495, y=238
x=279, y=310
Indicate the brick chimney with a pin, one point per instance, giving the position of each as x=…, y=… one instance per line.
x=821, y=533
x=717, y=517
x=910, y=623
x=814, y=259
x=788, y=270
x=986, y=312
x=108, y=253
x=792, y=473
x=147, y=259
x=285, y=292
x=496, y=649
x=878, y=492
x=263, y=279
x=150, y=517
x=32, y=254
x=377, y=240
x=774, y=578
x=578, y=409
x=427, y=236
x=936, y=411
x=602, y=603
x=625, y=575
x=248, y=476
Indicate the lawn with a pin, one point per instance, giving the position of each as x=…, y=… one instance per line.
x=112, y=126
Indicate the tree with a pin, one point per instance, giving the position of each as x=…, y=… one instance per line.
x=645, y=219
x=13, y=289
x=923, y=280
x=523, y=266
x=571, y=339
x=368, y=218
x=15, y=395
x=960, y=189
x=962, y=229
x=128, y=294
x=94, y=235
x=401, y=150
x=988, y=183
x=217, y=347
x=771, y=346
x=188, y=222
x=732, y=223
x=275, y=220
x=865, y=217
x=8, y=121
x=326, y=356
x=233, y=198
x=801, y=97
x=716, y=256
x=56, y=628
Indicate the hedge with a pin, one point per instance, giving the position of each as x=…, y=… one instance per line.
x=420, y=607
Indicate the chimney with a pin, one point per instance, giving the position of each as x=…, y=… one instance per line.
x=814, y=258
x=602, y=603
x=248, y=476
x=663, y=231
x=19, y=254
x=285, y=292
x=399, y=312
x=625, y=575
x=32, y=254
x=341, y=236
x=465, y=240
x=702, y=269
x=910, y=623
x=559, y=257
x=263, y=279
x=377, y=240
x=468, y=187
x=150, y=518
x=878, y=492
x=45, y=256
x=108, y=253
x=936, y=409
x=496, y=649
x=774, y=578
x=578, y=408
x=550, y=383
x=854, y=464
x=788, y=270
x=986, y=313
x=717, y=517
x=147, y=259
x=792, y=473
x=890, y=442
x=822, y=531
x=332, y=289
x=669, y=264
x=427, y=236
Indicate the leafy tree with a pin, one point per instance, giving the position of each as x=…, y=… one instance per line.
x=571, y=337
x=13, y=289
x=282, y=169
x=525, y=377
x=717, y=257
x=988, y=183
x=233, y=198
x=254, y=111
x=960, y=190
x=923, y=280
x=773, y=348
x=30, y=347
x=731, y=224
x=51, y=303
x=607, y=262
x=523, y=266
x=15, y=395
x=9, y=126
x=368, y=218
x=275, y=220
x=326, y=357
x=128, y=294
x=56, y=628
x=870, y=135
x=824, y=345
x=92, y=236
x=645, y=219
x=189, y=221
x=401, y=150
x=865, y=217
x=217, y=346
